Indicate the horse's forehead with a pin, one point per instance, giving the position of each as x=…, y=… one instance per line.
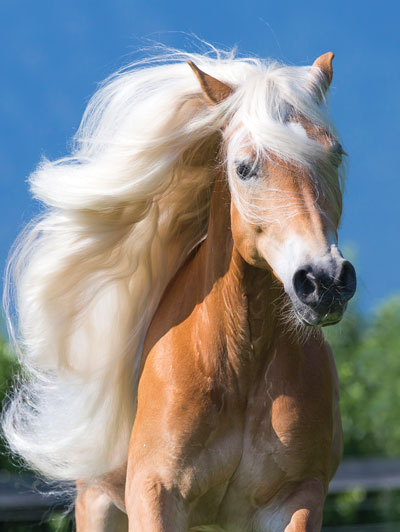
x=311, y=130
x=300, y=125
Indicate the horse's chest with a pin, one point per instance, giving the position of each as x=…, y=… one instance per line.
x=289, y=416
x=286, y=436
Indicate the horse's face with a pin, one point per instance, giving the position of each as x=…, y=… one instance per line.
x=292, y=229
x=285, y=216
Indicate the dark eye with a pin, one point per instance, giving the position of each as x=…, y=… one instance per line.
x=337, y=153
x=245, y=171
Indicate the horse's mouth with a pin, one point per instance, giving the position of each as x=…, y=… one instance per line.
x=310, y=318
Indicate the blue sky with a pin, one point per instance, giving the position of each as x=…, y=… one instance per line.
x=54, y=53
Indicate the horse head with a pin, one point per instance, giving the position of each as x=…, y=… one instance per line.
x=285, y=211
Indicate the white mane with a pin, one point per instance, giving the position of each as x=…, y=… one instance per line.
x=122, y=214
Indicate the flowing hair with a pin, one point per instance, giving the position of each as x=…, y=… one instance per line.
x=121, y=215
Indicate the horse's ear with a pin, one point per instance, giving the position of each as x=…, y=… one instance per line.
x=214, y=90
x=324, y=63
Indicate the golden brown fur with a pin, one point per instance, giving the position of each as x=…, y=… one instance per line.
x=236, y=423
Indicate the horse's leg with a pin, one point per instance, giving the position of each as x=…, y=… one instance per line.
x=293, y=510
x=95, y=511
x=152, y=507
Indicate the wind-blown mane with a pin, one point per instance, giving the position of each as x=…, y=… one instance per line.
x=122, y=214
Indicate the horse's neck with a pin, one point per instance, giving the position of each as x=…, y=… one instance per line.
x=246, y=293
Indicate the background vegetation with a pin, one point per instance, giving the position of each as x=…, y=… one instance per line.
x=367, y=353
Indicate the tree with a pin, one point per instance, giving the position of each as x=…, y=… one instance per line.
x=367, y=353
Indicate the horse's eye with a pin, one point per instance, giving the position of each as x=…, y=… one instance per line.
x=336, y=158
x=244, y=171
x=337, y=155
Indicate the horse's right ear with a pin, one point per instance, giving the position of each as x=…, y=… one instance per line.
x=214, y=90
x=324, y=64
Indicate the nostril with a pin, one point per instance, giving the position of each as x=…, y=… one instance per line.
x=305, y=286
x=347, y=281
x=309, y=286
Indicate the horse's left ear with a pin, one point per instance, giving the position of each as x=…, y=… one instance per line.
x=324, y=63
x=214, y=90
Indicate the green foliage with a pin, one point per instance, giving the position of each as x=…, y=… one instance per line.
x=60, y=522
x=357, y=506
x=8, y=371
x=8, y=366
x=344, y=508
x=348, y=502
x=367, y=353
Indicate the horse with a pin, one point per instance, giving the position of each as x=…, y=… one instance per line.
x=171, y=298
